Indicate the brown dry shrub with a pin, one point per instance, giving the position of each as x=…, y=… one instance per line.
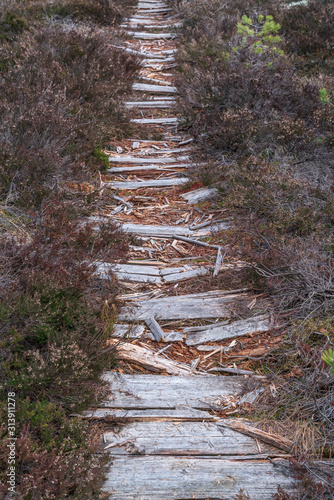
x=59, y=102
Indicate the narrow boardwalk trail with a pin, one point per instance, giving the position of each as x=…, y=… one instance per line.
x=166, y=422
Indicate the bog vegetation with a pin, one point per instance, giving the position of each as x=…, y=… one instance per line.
x=61, y=89
x=256, y=86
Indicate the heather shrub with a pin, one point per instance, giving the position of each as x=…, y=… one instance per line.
x=250, y=99
x=308, y=32
x=54, y=323
x=60, y=102
x=62, y=84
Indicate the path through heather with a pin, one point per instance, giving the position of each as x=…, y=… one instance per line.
x=168, y=423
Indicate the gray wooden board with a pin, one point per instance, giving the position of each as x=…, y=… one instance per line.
x=152, y=415
x=151, y=36
x=156, y=391
x=134, y=168
x=150, y=274
x=171, y=231
x=138, y=160
x=149, y=104
x=156, y=121
x=149, y=183
x=155, y=88
x=183, y=438
x=235, y=329
x=181, y=307
x=166, y=478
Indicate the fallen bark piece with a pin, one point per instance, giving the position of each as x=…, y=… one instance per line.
x=155, y=328
x=148, y=359
x=272, y=439
x=236, y=329
x=201, y=194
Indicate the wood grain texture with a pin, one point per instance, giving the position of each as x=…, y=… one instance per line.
x=155, y=391
x=182, y=307
x=233, y=330
x=166, y=478
x=183, y=438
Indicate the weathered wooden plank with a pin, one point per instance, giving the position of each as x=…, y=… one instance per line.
x=140, y=160
x=128, y=331
x=236, y=329
x=155, y=391
x=201, y=194
x=173, y=181
x=154, y=11
x=150, y=36
x=149, y=104
x=182, y=438
x=171, y=231
x=134, y=168
x=186, y=275
x=150, y=360
x=181, y=307
x=156, y=121
x=163, y=478
x=160, y=89
x=151, y=415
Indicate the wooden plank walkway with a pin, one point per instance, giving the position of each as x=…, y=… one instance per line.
x=164, y=412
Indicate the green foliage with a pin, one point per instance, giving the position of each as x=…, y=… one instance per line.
x=328, y=357
x=261, y=35
x=101, y=156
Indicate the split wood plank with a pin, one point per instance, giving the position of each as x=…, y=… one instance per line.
x=163, y=478
x=140, y=392
x=173, y=181
x=151, y=415
x=201, y=194
x=240, y=328
x=182, y=438
x=163, y=89
x=147, y=358
x=142, y=160
x=267, y=437
x=182, y=307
